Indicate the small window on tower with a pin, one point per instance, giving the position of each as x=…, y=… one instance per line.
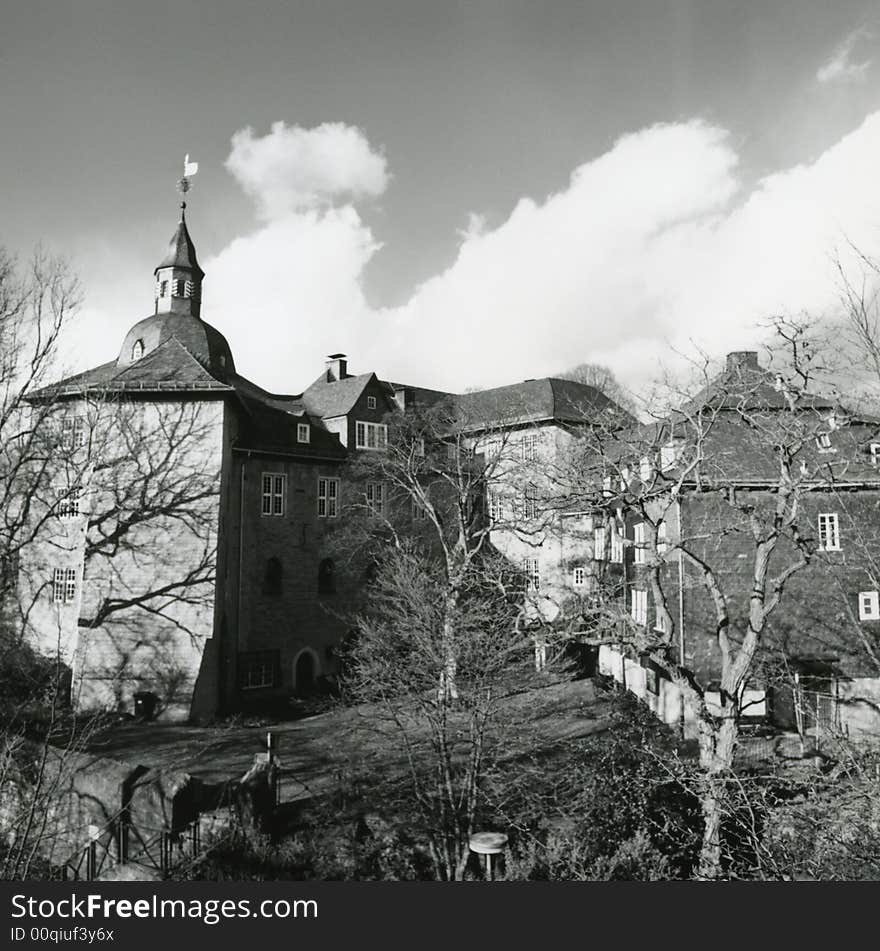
x=179, y=287
x=163, y=288
x=137, y=350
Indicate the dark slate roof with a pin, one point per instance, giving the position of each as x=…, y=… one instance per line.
x=169, y=367
x=531, y=401
x=204, y=342
x=181, y=252
x=337, y=397
x=267, y=428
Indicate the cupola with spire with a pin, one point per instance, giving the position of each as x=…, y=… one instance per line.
x=178, y=276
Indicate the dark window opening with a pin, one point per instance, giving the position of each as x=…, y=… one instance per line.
x=326, y=577
x=259, y=669
x=305, y=672
x=273, y=577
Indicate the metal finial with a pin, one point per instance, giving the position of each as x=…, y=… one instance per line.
x=184, y=185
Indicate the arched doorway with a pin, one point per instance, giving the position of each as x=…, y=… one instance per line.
x=305, y=671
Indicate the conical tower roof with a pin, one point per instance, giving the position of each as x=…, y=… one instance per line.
x=181, y=251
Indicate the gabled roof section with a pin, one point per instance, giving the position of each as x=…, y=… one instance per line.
x=270, y=429
x=169, y=367
x=337, y=398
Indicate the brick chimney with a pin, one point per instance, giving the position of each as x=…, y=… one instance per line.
x=337, y=367
x=742, y=360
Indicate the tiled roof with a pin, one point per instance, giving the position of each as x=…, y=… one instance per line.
x=531, y=401
x=337, y=397
x=169, y=367
x=267, y=428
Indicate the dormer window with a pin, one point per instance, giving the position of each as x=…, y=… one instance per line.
x=302, y=432
x=823, y=442
x=371, y=402
x=137, y=350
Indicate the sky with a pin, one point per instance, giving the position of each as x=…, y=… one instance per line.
x=455, y=194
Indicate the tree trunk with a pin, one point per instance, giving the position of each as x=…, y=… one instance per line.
x=717, y=742
x=448, y=689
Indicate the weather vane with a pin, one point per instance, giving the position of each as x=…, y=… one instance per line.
x=184, y=185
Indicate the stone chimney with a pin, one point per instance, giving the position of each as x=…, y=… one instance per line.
x=742, y=360
x=337, y=367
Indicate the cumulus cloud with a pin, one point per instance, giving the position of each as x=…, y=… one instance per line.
x=840, y=67
x=654, y=245
x=292, y=168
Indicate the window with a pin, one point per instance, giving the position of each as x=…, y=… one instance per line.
x=599, y=543
x=640, y=551
x=376, y=498
x=73, y=432
x=875, y=453
x=303, y=432
x=326, y=577
x=529, y=447
x=829, y=532
x=68, y=503
x=9, y=569
x=496, y=506
x=419, y=512
x=660, y=622
x=328, y=498
x=639, y=606
x=163, y=288
x=579, y=576
x=137, y=350
x=371, y=402
x=274, y=485
x=371, y=435
x=616, y=546
x=646, y=469
x=869, y=606
x=189, y=289
x=606, y=487
x=823, y=442
x=64, y=585
x=179, y=287
x=451, y=451
x=662, y=543
x=669, y=456
x=258, y=669
x=532, y=573
x=274, y=576
x=530, y=501
x=419, y=446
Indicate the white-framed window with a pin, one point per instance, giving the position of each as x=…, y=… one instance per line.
x=616, y=546
x=137, y=350
x=869, y=606
x=599, y=543
x=273, y=493
x=662, y=540
x=63, y=585
x=646, y=469
x=669, y=456
x=530, y=501
x=73, y=431
x=639, y=606
x=579, y=576
x=606, y=487
x=328, y=498
x=875, y=453
x=370, y=435
x=375, y=492
x=660, y=622
x=491, y=448
x=303, y=432
x=419, y=512
x=829, y=532
x=640, y=551
x=495, y=504
x=529, y=447
x=371, y=402
x=68, y=502
x=823, y=442
x=532, y=573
